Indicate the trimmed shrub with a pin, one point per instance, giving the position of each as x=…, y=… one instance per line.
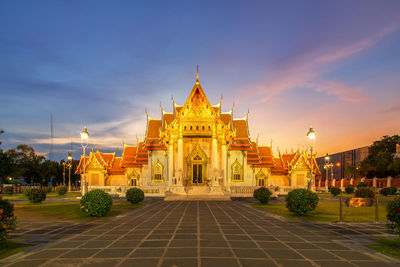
x=134, y=195
x=393, y=214
x=37, y=195
x=362, y=184
x=7, y=218
x=61, y=190
x=335, y=191
x=26, y=192
x=389, y=191
x=364, y=192
x=9, y=190
x=329, y=187
x=262, y=194
x=349, y=189
x=96, y=203
x=301, y=201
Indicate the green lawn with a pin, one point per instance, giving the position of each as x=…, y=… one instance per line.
x=8, y=248
x=65, y=211
x=324, y=196
x=389, y=246
x=329, y=212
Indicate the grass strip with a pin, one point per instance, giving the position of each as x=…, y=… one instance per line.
x=8, y=248
x=387, y=246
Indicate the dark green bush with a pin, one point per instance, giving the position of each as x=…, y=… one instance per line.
x=26, y=192
x=262, y=194
x=135, y=195
x=301, y=201
x=388, y=191
x=365, y=192
x=393, y=214
x=335, y=191
x=362, y=184
x=9, y=190
x=349, y=189
x=37, y=195
x=7, y=218
x=96, y=203
x=61, y=190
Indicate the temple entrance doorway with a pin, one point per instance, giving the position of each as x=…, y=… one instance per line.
x=197, y=167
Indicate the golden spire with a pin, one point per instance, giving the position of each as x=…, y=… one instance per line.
x=197, y=74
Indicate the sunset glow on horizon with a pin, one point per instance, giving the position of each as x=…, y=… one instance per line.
x=333, y=66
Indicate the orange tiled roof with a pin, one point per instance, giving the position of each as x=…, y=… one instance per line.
x=265, y=156
x=242, y=140
x=167, y=119
x=226, y=118
x=128, y=156
x=253, y=156
x=278, y=167
x=79, y=168
x=152, y=140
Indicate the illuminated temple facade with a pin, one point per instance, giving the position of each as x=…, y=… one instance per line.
x=197, y=150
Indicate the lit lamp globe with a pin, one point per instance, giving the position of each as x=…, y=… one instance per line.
x=311, y=134
x=84, y=137
x=69, y=157
x=327, y=158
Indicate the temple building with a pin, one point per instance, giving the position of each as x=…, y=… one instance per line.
x=197, y=150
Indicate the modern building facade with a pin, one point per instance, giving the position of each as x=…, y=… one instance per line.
x=197, y=149
x=340, y=161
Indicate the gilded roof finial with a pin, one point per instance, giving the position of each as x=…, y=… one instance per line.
x=197, y=74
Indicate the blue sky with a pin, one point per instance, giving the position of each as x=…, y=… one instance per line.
x=294, y=64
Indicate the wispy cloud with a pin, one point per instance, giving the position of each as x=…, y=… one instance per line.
x=304, y=70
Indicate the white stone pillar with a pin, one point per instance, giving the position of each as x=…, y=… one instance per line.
x=326, y=185
x=351, y=181
x=319, y=184
x=374, y=182
x=214, y=155
x=341, y=184
x=171, y=162
x=223, y=163
x=333, y=182
x=389, y=182
x=180, y=160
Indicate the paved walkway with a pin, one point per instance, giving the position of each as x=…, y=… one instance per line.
x=197, y=233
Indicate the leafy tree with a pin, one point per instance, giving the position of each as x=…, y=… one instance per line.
x=352, y=171
x=380, y=161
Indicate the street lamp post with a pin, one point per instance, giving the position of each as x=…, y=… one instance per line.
x=69, y=171
x=328, y=165
x=311, y=138
x=64, y=172
x=84, y=144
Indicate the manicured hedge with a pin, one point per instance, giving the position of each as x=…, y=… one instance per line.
x=61, y=190
x=365, y=192
x=135, y=195
x=393, y=214
x=7, y=218
x=389, y=191
x=9, y=190
x=37, y=195
x=96, y=203
x=362, y=184
x=335, y=191
x=27, y=191
x=262, y=194
x=301, y=201
x=349, y=189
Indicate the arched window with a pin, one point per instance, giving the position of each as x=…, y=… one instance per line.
x=158, y=172
x=191, y=127
x=203, y=127
x=197, y=127
x=237, y=172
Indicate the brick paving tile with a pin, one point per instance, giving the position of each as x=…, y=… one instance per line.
x=27, y=263
x=147, y=253
x=351, y=255
x=67, y=244
x=249, y=253
x=181, y=252
x=303, y=245
x=96, y=244
x=183, y=243
x=46, y=254
x=332, y=246
x=99, y=262
x=283, y=254
x=113, y=253
x=295, y=263
x=216, y=252
x=80, y=253
x=125, y=244
x=334, y=263
x=179, y=262
x=256, y=263
x=160, y=243
x=213, y=243
x=140, y=263
x=218, y=262
x=371, y=264
x=315, y=254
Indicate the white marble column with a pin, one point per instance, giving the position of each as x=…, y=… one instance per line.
x=374, y=182
x=341, y=184
x=223, y=163
x=180, y=160
x=389, y=182
x=214, y=155
x=171, y=162
x=333, y=182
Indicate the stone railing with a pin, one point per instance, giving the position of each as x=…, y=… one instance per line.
x=149, y=191
x=247, y=191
